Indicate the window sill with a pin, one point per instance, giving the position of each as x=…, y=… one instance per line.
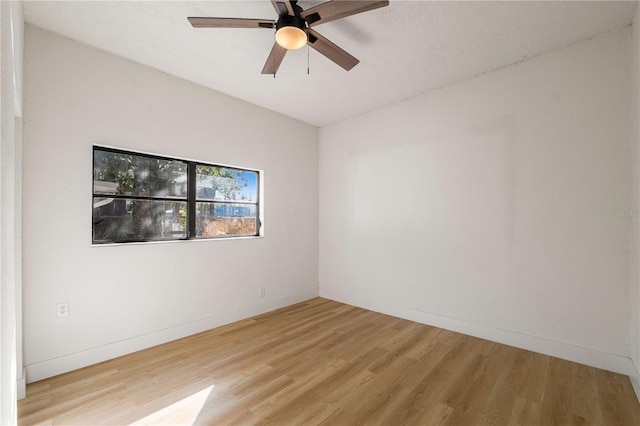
x=136, y=243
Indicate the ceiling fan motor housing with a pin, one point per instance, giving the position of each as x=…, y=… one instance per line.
x=291, y=21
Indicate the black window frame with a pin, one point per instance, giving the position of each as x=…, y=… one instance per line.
x=191, y=198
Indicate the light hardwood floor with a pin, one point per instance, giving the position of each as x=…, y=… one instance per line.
x=323, y=362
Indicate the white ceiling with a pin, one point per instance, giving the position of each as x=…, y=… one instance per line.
x=404, y=49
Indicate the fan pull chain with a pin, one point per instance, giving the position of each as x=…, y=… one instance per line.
x=308, y=49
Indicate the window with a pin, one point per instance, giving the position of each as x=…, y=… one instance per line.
x=141, y=197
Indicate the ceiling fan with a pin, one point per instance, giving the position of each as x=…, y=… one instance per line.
x=294, y=28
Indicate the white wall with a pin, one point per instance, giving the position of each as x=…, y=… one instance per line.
x=482, y=207
x=127, y=297
x=634, y=294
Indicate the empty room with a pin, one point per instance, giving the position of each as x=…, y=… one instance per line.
x=320, y=212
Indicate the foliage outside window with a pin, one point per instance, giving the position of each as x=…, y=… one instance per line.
x=141, y=197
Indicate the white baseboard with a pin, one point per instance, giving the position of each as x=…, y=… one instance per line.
x=634, y=375
x=582, y=355
x=21, y=387
x=53, y=367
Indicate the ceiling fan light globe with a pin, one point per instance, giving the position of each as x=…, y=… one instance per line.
x=291, y=38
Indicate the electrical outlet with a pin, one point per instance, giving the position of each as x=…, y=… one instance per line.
x=63, y=309
x=262, y=292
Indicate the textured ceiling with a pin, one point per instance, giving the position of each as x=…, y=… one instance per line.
x=404, y=49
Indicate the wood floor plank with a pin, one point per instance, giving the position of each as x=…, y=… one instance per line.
x=558, y=393
x=321, y=362
x=525, y=412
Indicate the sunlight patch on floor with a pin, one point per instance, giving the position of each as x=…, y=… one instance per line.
x=182, y=412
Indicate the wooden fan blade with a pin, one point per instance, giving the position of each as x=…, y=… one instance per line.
x=336, y=9
x=231, y=23
x=274, y=60
x=331, y=51
x=282, y=7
